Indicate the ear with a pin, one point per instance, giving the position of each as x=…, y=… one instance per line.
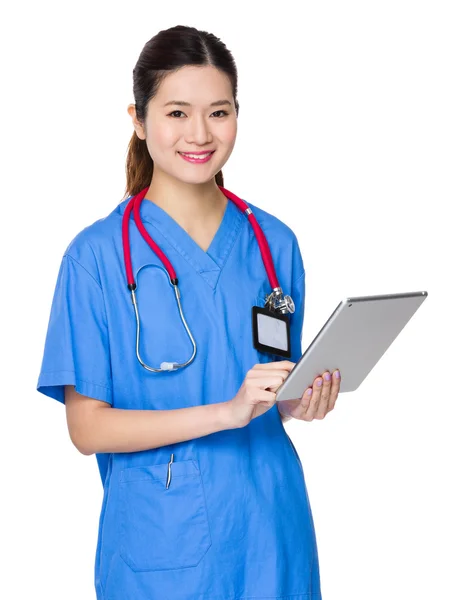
x=139, y=129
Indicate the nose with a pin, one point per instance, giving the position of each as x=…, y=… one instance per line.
x=198, y=130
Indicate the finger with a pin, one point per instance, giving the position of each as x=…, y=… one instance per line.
x=315, y=399
x=305, y=400
x=336, y=382
x=335, y=389
x=298, y=411
x=287, y=365
x=325, y=395
x=257, y=374
x=264, y=396
x=268, y=382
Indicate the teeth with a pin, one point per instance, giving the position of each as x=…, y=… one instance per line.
x=198, y=156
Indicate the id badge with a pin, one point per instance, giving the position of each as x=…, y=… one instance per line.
x=271, y=332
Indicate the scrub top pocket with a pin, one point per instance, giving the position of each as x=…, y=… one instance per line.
x=260, y=298
x=163, y=528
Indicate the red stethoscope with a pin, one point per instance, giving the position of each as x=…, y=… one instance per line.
x=276, y=302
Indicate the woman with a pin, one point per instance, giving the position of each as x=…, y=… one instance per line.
x=204, y=493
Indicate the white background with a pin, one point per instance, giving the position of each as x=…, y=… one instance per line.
x=345, y=133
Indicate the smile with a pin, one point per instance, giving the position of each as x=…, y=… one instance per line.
x=196, y=158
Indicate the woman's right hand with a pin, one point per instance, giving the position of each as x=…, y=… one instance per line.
x=258, y=391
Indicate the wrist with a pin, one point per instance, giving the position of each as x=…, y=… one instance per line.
x=284, y=415
x=225, y=415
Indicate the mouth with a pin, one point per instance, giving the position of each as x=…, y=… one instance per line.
x=196, y=157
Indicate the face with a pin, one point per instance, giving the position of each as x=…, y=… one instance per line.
x=193, y=111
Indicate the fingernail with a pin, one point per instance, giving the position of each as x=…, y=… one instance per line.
x=319, y=382
x=337, y=374
x=327, y=376
x=309, y=392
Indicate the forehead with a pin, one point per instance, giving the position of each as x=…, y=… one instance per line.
x=194, y=84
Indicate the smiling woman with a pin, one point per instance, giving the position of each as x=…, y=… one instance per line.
x=204, y=494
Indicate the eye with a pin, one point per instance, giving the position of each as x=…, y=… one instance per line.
x=180, y=112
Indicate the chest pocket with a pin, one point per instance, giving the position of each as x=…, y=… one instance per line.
x=163, y=528
x=260, y=298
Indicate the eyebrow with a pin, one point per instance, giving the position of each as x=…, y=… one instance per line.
x=182, y=103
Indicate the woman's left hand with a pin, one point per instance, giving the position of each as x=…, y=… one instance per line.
x=316, y=401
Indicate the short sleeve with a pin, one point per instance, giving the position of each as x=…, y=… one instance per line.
x=297, y=318
x=76, y=350
x=298, y=296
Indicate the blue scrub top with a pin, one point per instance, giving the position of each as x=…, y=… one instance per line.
x=236, y=521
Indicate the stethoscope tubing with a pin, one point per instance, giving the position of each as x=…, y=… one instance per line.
x=134, y=205
x=137, y=338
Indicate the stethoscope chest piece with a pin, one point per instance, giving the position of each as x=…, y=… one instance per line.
x=277, y=302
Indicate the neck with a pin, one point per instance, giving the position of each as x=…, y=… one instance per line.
x=189, y=204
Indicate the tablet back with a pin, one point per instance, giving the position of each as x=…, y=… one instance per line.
x=352, y=340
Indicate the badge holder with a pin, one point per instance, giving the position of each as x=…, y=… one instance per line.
x=271, y=332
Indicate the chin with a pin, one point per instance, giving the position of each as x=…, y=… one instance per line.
x=196, y=179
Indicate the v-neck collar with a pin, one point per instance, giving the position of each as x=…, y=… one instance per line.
x=208, y=264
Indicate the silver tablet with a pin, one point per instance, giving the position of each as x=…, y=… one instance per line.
x=353, y=339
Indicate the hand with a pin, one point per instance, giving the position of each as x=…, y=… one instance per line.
x=316, y=401
x=257, y=393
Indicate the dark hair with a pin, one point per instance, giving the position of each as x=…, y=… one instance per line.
x=167, y=51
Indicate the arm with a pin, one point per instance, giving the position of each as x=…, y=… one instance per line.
x=95, y=427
